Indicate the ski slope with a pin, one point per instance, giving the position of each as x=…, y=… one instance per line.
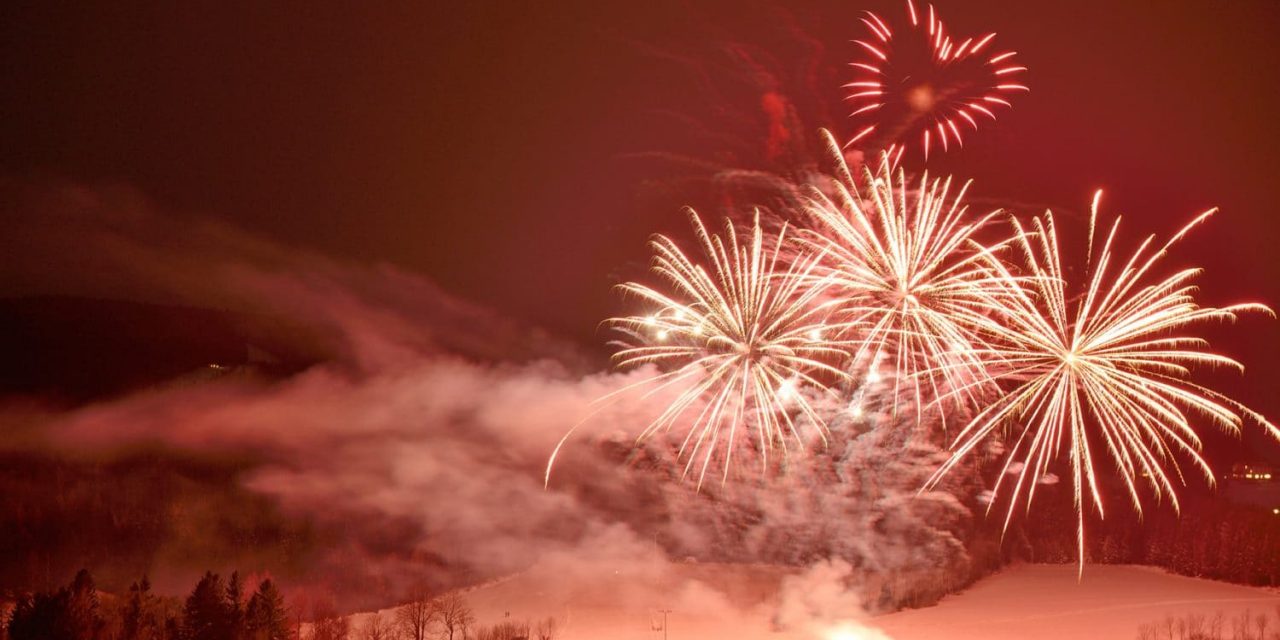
x=737, y=602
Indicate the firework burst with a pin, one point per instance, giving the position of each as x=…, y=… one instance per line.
x=742, y=338
x=915, y=80
x=1101, y=373
x=911, y=279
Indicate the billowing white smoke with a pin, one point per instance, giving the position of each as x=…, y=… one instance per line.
x=423, y=445
x=820, y=602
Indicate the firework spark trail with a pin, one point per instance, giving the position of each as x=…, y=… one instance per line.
x=1106, y=367
x=740, y=338
x=912, y=281
x=918, y=79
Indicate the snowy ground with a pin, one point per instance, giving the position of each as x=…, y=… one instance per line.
x=704, y=601
x=1045, y=602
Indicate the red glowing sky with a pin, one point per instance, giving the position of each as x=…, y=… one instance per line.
x=492, y=146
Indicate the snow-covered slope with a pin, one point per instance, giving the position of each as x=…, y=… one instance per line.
x=737, y=602
x=1045, y=602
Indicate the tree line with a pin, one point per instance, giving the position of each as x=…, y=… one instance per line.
x=1209, y=539
x=218, y=609
x=215, y=610
x=1244, y=625
x=429, y=617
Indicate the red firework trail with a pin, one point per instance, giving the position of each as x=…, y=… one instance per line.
x=918, y=80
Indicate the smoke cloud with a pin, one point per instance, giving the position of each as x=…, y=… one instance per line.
x=412, y=450
x=420, y=437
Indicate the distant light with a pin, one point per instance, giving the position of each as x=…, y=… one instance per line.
x=662, y=334
x=1276, y=511
x=815, y=335
x=855, y=410
x=846, y=631
x=873, y=376
x=650, y=320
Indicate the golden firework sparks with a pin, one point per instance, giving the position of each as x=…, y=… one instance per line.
x=1103, y=372
x=912, y=280
x=741, y=337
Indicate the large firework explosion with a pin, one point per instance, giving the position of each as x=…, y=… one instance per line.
x=1101, y=370
x=912, y=279
x=890, y=268
x=744, y=339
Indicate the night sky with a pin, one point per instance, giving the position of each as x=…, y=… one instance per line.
x=315, y=289
x=500, y=148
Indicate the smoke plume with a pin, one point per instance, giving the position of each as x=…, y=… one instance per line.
x=411, y=451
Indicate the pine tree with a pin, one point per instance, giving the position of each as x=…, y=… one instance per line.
x=41, y=617
x=265, y=617
x=71, y=613
x=235, y=607
x=139, y=623
x=204, y=617
x=172, y=628
x=83, y=619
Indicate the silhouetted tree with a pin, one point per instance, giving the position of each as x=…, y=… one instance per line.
x=376, y=628
x=71, y=613
x=265, y=616
x=235, y=607
x=205, y=617
x=454, y=615
x=172, y=628
x=41, y=616
x=546, y=629
x=82, y=607
x=504, y=631
x=328, y=625
x=416, y=616
x=140, y=620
